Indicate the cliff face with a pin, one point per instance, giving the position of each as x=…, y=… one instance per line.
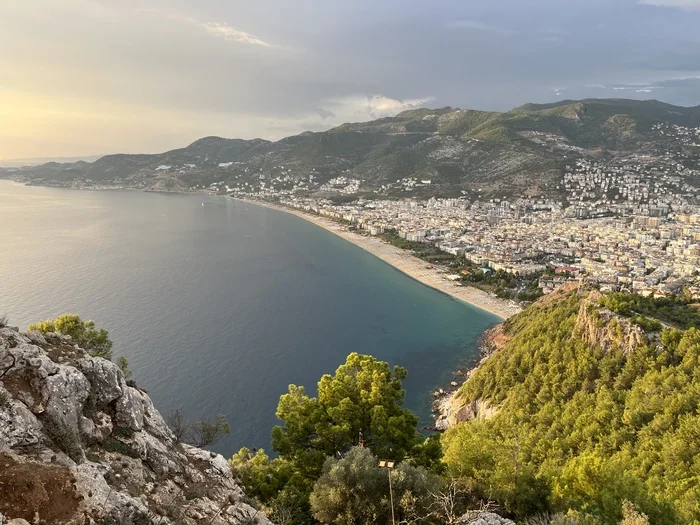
x=452, y=409
x=80, y=446
x=599, y=326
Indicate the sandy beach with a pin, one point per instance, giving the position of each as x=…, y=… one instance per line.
x=403, y=261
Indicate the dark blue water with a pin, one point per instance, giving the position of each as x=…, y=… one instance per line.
x=218, y=307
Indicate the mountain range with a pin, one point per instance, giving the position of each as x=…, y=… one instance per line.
x=524, y=151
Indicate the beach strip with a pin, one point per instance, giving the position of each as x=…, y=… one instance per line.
x=405, y=262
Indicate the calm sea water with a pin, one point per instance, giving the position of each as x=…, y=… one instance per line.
x=219, y=305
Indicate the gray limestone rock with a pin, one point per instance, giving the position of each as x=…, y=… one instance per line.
x=130, y=409
x=79, y=415
x=106, y=380
x=18, y=426
x=483, y=518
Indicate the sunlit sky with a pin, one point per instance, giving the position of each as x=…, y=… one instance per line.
x=87, y=77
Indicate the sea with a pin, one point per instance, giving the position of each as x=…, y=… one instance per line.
x=219, y=304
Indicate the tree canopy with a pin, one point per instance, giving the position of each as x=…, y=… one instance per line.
x=578, y=427
x=362, y=402
x=355, y=491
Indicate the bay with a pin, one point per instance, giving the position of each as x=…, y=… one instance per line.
x=219, y=305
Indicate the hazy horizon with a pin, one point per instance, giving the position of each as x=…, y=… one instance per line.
x=83, y=78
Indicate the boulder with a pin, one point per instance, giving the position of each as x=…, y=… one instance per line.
x=130, y=409
x=106, y=380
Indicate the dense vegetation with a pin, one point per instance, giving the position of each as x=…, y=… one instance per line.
x=501, y=283
x=577, y=433
x=361, y=405
x=677, y=311
x=583, y=429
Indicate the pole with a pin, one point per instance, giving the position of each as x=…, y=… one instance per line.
x=391, y=496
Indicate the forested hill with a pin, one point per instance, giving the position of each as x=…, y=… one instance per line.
x=583, y=408
x=524, y=151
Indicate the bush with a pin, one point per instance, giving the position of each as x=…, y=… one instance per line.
x=355, y=491
x=126, y=432
x=84, y=334
x=205, y=432
x=119, y=447
x=123, y=365
x=201, y=433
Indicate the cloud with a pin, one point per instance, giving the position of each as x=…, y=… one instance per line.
x=691, y=5
x=352, y=108
x=477, y=26
x=379, y=106
x=227, y=32
x=325, y=114
x=218, y=29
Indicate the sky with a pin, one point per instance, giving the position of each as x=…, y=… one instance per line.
x=90, y=77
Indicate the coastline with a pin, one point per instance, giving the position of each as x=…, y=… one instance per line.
x=399, y=259
x=405, y=262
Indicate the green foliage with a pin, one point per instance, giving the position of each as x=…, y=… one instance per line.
x=675, y=310
x=123, y=365
x=119, y=447
x=126, y=432
x=355, y=491
x=95, y=342
x=649, y=325
x=362, y=402
x=578, y=428
x=275, y=484
x=261, y=477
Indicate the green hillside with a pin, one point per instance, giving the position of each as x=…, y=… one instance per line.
x=582, y=409
x=522, y=151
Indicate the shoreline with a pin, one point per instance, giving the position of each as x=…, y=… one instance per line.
x=401, y=260
x=404, y=262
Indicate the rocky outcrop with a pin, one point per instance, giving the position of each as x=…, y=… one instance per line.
x=452, y=408
x=78, y=445
x=601, y=327
x=483, y=518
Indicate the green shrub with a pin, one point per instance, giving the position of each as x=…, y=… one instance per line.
x=84, y=334
x=119, y=447
x=126, y=432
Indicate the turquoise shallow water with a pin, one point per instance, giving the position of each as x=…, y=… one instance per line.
x=219, y=305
